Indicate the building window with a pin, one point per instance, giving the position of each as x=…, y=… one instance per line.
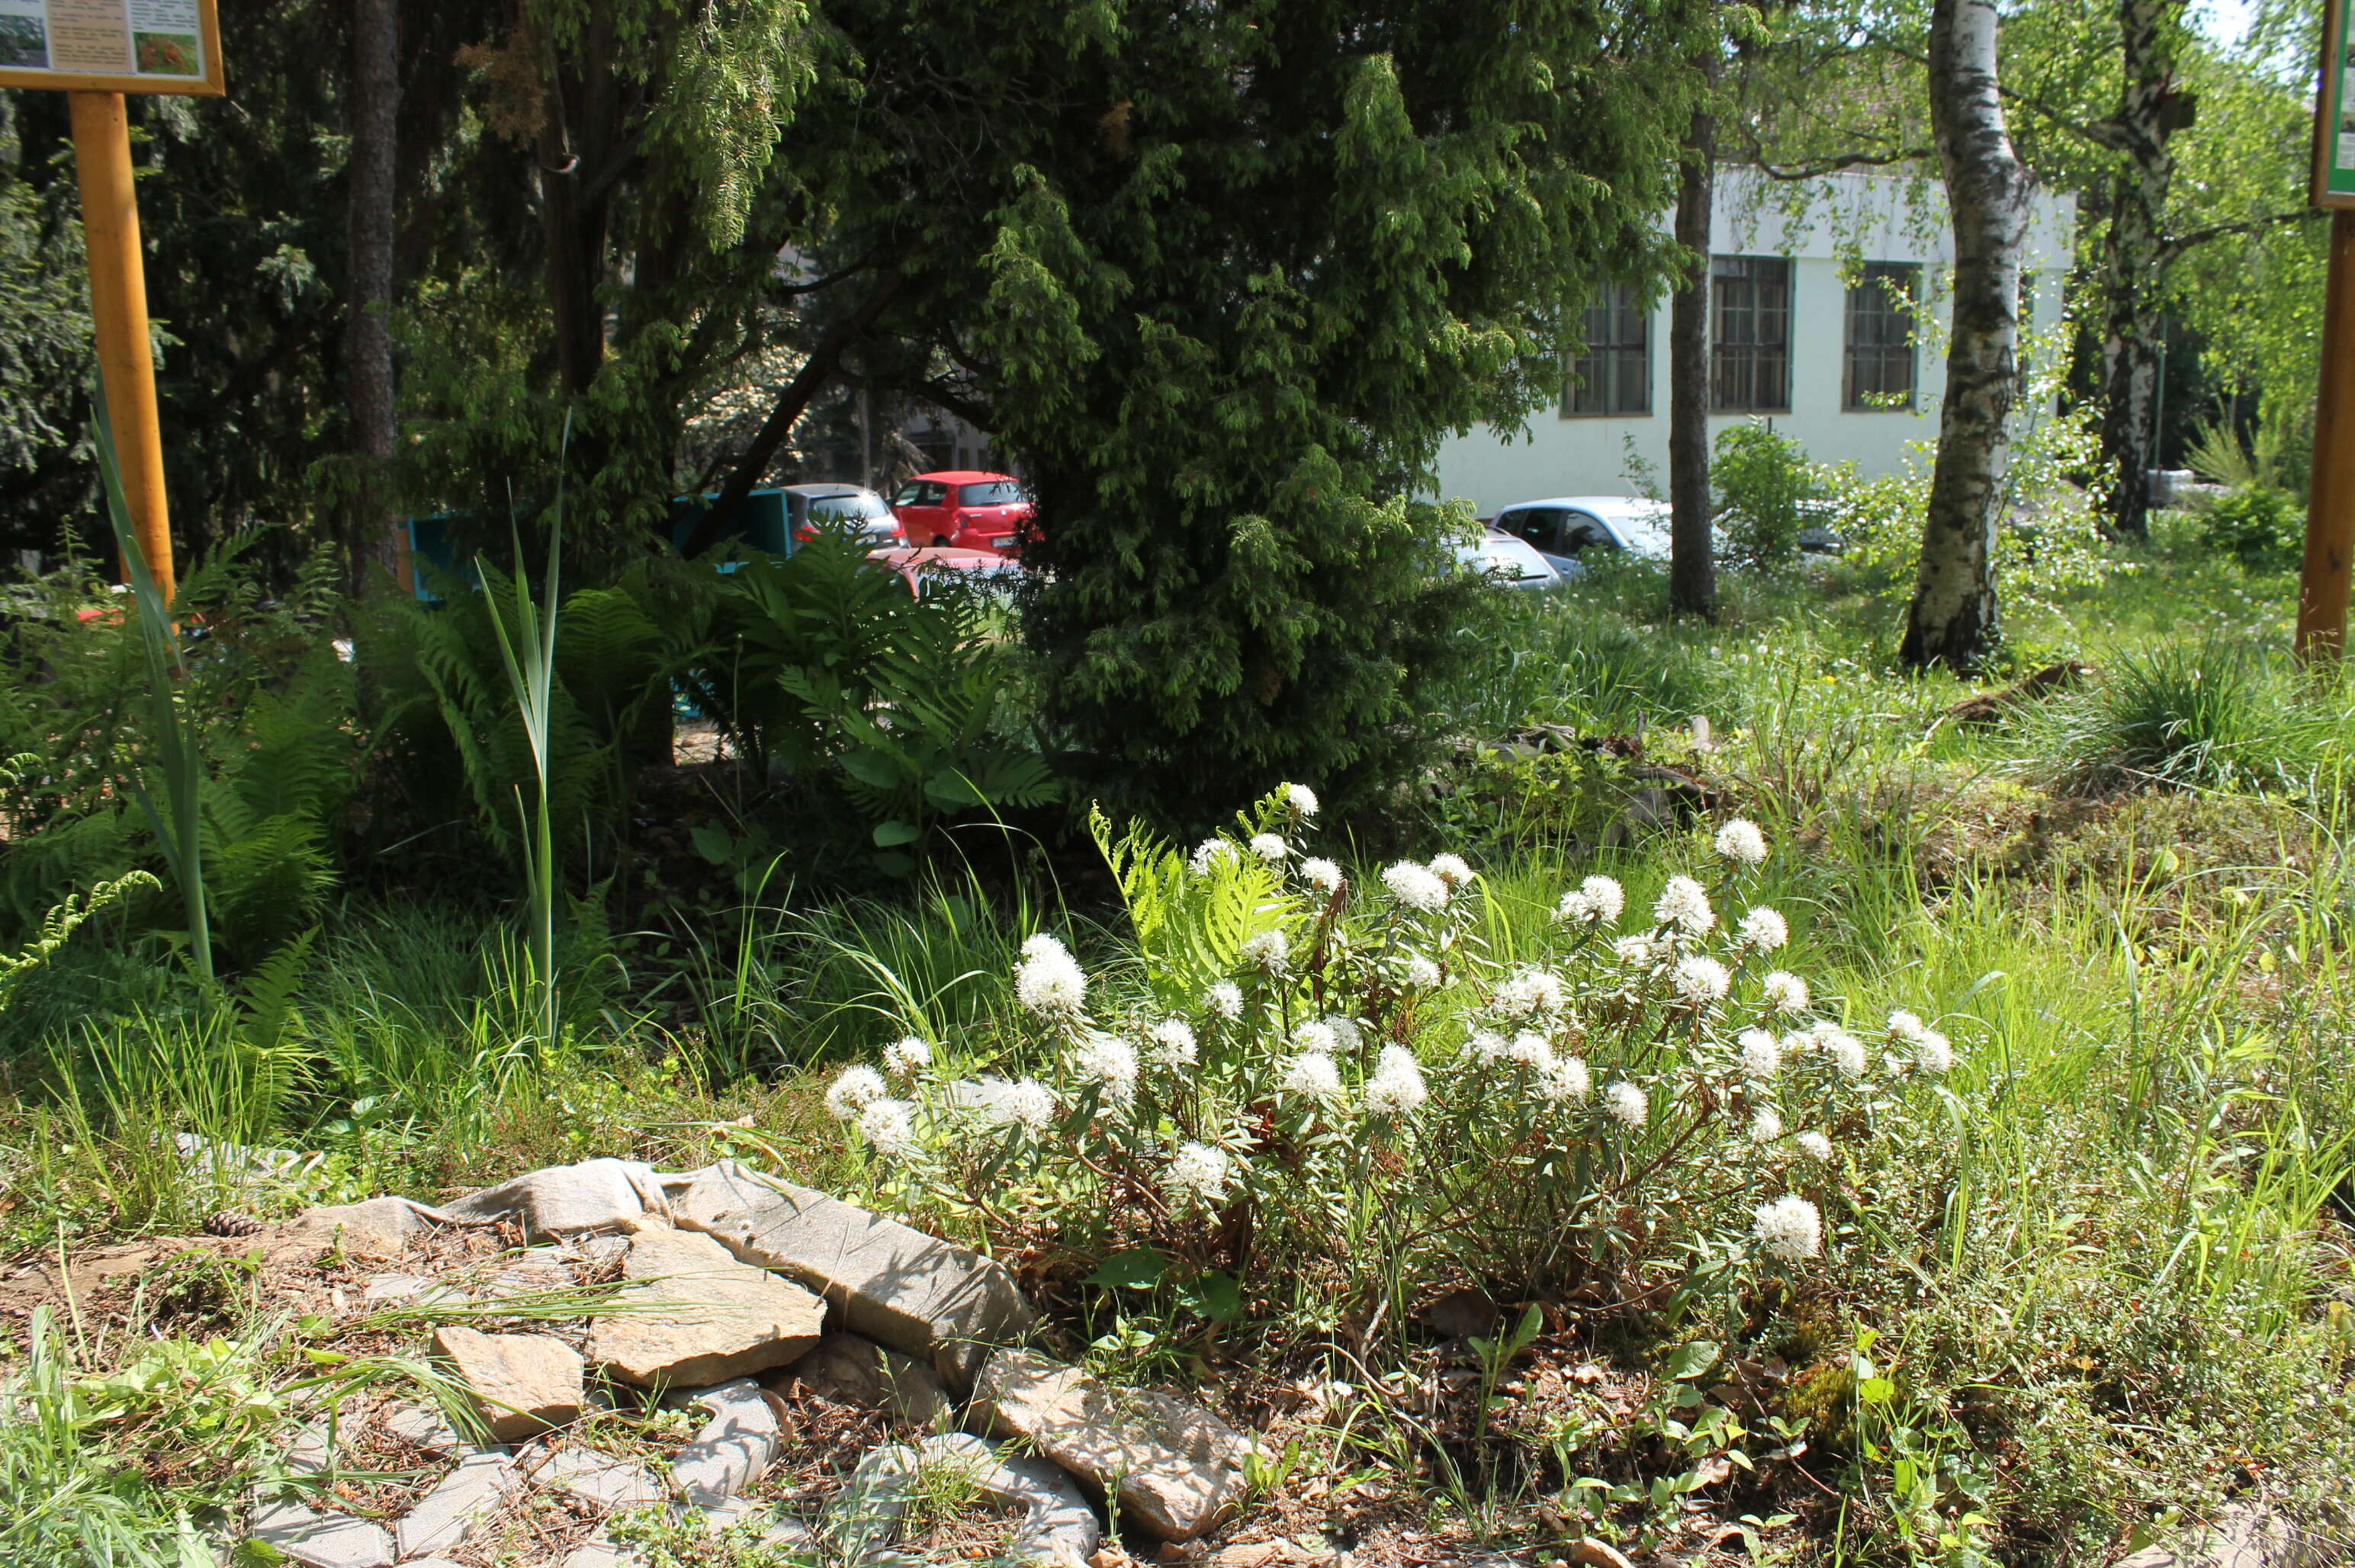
x=1750, y=341
x=1615, y=375
x=1881, y=337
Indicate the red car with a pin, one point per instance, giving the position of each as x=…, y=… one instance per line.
x=965, y=509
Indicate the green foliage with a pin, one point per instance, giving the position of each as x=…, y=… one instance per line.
x=1229, y=322
x=825, y=665
x=2211, y=717
x=1764, y=486
x=2048, y=542
x=224, y=751
x=60, y=924
x=2260, y=526
x=442, y=686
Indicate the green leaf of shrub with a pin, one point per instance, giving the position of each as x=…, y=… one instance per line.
x=1132, y=1268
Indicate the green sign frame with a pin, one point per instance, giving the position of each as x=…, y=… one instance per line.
x=2334, y=109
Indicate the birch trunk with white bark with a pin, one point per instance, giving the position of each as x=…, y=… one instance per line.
x=1953, y=620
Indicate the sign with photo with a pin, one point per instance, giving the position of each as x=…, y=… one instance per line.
x=2334, y=109
x=111, y=46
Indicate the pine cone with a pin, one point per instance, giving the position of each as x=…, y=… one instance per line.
x=229, y=1222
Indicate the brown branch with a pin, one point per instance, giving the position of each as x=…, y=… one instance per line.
x=1822, y=167
x=2173, y=249
x=791, y=403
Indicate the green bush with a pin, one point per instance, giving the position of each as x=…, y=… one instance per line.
x=827, y=668
x=2257, y=526
x=1764, y=488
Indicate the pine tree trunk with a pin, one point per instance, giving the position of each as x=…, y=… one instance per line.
x=1953, y=620
x=369, y=390
x=2133, y=262
x=1692, y=563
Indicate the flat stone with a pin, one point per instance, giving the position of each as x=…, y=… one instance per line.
x=601, y=1479
x=1059, y=1525
x=2242, y=1536
x=429, y=1429
x=600, y=1550
x=394, y=1287
x=734, y=1447
x=447, y=1514
x=567, y=1200
x=854, y=1370
x=1178, y=1468
x=893, y=1282
x=379, y=1228
x=522, y=1383
x=693, y=1315
x=736, y=1512
x=321, y=1540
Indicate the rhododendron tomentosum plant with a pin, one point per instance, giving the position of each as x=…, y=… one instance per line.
x=1308, y=1072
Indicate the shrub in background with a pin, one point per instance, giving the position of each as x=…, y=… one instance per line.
x=2260, y=526
x=1766, y=490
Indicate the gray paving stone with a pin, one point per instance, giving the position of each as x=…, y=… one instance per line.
x=321, y=1540
x=1178, y=1468
x=429, y=1429
x=774, y=1531
x=1058, y=1524
x=609, y=1483
x=893, y=1282
x=734, y=1447
x=600, y=1550
x=447, y=1514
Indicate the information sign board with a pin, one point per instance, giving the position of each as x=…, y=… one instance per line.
x=2334, y=109
x=111, y=46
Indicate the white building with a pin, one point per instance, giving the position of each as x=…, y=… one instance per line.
x=1827, y=314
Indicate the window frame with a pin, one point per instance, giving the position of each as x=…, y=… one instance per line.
x=1619, y=305
x=1757, y=349
x=1871, y=298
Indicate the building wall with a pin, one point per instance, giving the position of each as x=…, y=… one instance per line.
x=1868, y=218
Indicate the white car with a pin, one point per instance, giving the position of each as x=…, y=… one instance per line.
x=1564, y=527
x=1507, y=562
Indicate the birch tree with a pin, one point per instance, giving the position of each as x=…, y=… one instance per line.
x=1953, y=620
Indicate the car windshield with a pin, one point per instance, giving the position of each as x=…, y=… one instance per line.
x=997, y=492
x=847, y=508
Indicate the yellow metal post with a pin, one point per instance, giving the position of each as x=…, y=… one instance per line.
x=118, y=309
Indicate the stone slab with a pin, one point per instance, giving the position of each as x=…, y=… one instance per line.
x=601, y=1479
x=447, y=1514
x=600, y=1550
x=567, y=1200
x=1058, y=1524
x=1176, y=1468
x=893, y=1282
x=379, y=1228
x=321, y=1540
x=855, y=1369
x=734, y=1447
x=693, y=1315
x=522, y=1383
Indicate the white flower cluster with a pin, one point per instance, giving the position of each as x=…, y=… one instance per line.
x=1598, y=901
x=1048, y=980
x=1418, y=888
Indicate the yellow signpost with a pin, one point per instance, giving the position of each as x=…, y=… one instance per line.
x=95, y=51
x=2325, y=584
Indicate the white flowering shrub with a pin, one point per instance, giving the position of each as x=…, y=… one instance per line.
x=1303, y=1073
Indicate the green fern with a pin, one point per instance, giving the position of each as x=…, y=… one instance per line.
x=60, y=924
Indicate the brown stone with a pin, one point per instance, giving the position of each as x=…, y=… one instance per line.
x=1176, y=1468
x=693, y=1315
x=522, y=1383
